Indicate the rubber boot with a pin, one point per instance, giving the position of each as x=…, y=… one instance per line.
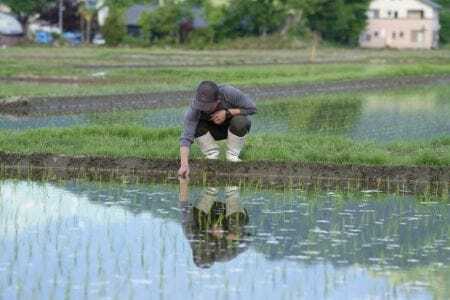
x=235, y=144
x=208, y=146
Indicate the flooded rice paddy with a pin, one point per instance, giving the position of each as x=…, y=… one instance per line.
x=79, y=240
x=384, y=117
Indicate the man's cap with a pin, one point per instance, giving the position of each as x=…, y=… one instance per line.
x=206, y=96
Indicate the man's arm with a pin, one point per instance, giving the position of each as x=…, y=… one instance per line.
x=243, y=104
x=190, y=124
x=184, y=162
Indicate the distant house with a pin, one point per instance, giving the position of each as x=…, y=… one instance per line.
x=133, y=14
x=402, y=24
x=11, y=30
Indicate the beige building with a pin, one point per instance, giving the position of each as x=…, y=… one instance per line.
x=402, y=24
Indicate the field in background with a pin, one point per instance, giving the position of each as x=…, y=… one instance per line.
x=405, y=127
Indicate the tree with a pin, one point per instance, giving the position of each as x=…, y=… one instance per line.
x=164, y=22
x=444, y=21
x=26, y=8
x=114, y=29
x=252, y=18
x=340, y=21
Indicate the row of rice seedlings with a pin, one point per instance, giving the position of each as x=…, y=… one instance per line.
x=433, y=190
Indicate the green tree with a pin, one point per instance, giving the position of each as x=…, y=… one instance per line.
x=252, y=18
x=445, y=21
x=114, y=29
x=26, y=8
x=340, y=21
x=164, y=22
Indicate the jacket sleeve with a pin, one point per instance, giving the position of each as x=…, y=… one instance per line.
x=191, y=119
x=238, y=99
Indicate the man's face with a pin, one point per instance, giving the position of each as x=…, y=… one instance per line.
x=217, y=102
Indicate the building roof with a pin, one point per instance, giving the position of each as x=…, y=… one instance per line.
x=9, y=25
x=431, y=3
x=133, y=13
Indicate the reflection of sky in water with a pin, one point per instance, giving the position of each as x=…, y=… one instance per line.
x=386, y=117
x=92, y=241
x=413, y=118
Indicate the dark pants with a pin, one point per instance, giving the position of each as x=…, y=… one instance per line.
x=238, y=125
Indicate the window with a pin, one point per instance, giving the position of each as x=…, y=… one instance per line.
x=401, y=34
x=376, y=34
x=374, y=14
x=396, y=15
x=394, y=35
x=368, y=37
x=415, y=14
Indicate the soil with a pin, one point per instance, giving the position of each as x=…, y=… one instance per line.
x=234, y=64
x=105, y=103
x=260, y=174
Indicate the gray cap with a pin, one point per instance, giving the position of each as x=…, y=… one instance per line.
x=206, y=96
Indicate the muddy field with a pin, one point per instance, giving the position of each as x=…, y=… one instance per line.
x=104, y=103
x=420, y=180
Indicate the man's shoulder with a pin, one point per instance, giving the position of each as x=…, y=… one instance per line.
x=229, y=90
x=192, y=112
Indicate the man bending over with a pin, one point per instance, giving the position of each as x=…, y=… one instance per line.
x=217, y=112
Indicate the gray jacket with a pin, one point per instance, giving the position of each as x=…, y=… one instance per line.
x=230, y=97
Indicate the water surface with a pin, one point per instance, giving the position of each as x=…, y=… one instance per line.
x=92, y=241
x=380, y=116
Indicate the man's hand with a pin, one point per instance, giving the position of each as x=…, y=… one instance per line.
x=183, y=172
x=219, y=117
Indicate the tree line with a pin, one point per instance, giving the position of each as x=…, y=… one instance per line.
x=336, y=21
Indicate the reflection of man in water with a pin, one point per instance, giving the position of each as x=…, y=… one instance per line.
x=214, y=228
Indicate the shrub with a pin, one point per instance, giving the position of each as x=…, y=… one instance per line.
x=114, y=30
x=163, y=23
x=201, y=38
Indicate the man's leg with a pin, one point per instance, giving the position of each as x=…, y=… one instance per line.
x=206, y=139
x=239, y=127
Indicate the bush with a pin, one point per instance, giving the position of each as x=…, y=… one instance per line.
x=444, y=19
x=114, y=30
x=340, y=21
x=201, y=38
x=163, y=24
x=251, y=18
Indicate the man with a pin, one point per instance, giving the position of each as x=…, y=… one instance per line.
x=216, y=113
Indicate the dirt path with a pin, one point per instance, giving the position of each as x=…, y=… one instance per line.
x=104, y=103
x=431, y=180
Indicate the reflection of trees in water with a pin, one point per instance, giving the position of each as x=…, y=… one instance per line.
x=335, y=115
x=332, y=114
x=383, y=230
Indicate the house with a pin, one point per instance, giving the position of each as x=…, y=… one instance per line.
x=133, y=15
x=402, y=24
x=11, y=31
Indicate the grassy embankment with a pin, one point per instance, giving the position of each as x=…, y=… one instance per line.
x=316, y=132
x=125, y=141
x=62, y=63
x=120, y=140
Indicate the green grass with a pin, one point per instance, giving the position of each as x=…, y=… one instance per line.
x=173, y=79
x=125, y=141
x=50, y=62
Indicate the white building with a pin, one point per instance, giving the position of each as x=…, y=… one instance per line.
x=402, y=24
